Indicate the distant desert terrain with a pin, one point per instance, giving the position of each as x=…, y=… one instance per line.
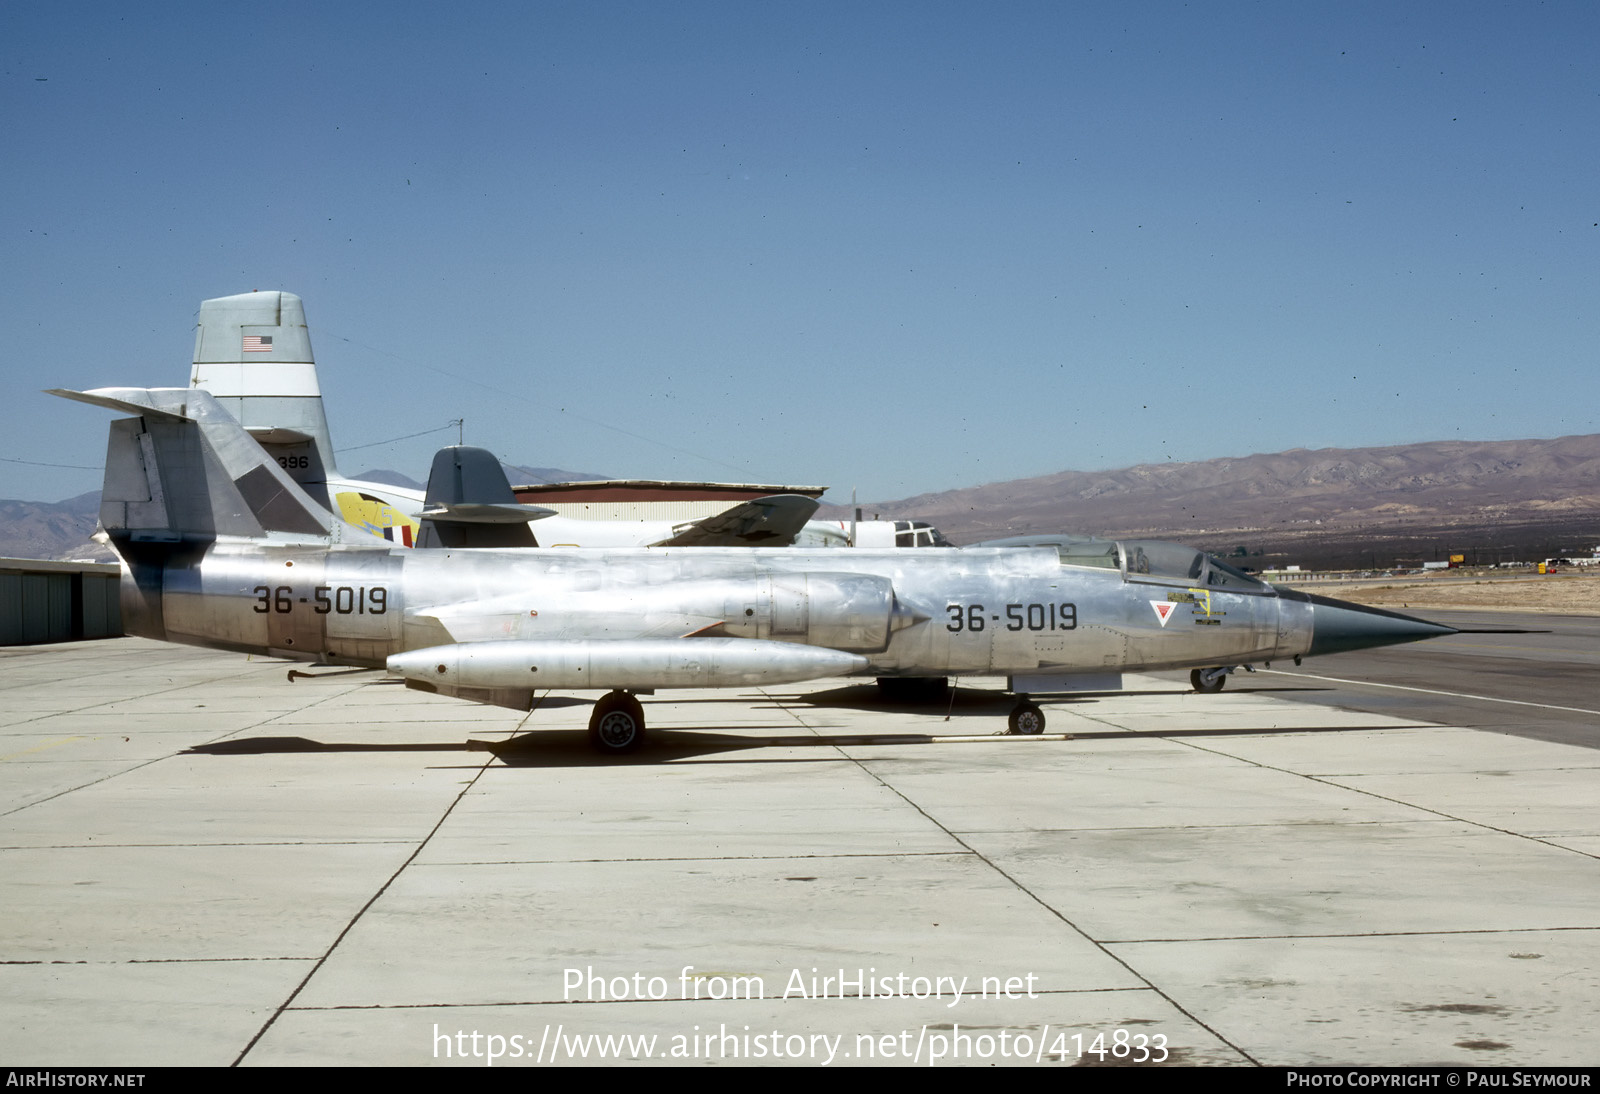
x=1561, y=593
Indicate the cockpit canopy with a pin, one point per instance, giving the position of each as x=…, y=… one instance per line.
x=1144, y=560
x=918, y=533
x=1153, y=559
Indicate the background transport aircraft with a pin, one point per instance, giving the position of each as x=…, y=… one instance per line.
x=252, y=352
x=874, y=533
x=221, y=548
x=470, y=504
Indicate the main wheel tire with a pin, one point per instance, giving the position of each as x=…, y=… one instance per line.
x=617, y=725
x=1197, y=680
x=1027, y=719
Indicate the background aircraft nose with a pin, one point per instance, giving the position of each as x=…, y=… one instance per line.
x=1338, y=625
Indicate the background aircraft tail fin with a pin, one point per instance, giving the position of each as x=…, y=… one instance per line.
x=183, y=469
x=253, y=353
x=470, y=503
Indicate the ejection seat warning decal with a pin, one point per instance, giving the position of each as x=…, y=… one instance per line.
x=1199, y=600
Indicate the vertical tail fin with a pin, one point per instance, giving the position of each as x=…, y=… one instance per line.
x=470, y=503
x=253, y=353
x=183, y=469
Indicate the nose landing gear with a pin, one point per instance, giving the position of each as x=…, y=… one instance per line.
x=1210, y=681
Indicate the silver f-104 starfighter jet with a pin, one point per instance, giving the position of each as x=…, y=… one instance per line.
x=221, y=548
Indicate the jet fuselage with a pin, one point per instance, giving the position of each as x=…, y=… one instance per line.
x=996, y=611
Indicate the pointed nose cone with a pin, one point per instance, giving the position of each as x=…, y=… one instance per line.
x=1338, y=626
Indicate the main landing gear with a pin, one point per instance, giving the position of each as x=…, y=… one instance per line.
x=617, y=725
x=1026, y=718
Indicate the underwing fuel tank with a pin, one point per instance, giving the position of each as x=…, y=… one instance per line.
x=635, y=664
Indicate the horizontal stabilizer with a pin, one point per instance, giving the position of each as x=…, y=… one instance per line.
x=474, y=513
x=470, y=504
x=129, y=400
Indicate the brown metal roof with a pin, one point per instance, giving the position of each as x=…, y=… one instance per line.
x=621, y=490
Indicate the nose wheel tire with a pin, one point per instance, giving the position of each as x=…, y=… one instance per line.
x=1208, y=681
x=1027, y=719
x=617, y=725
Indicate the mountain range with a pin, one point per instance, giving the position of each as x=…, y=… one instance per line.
x=1359, y=506
x=1346, y=507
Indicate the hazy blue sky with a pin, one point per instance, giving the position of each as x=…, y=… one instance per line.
x=900, y=246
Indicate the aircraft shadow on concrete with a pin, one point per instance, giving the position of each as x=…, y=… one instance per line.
x=987, y=703
x=566, y=748
x=554, y=748
x=949, y=716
